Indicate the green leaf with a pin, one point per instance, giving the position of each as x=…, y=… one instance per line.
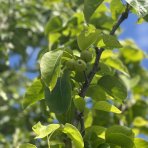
x=116, y=8
x=27, y=145
x=132, y=54
x=79, y=103
x=108, y=41
x=86, y=39
x=43, y=131
x=50, y=67
x=117, y=64
x=53, y=25
x=73, y=133
x=140, y=122
x=105, y=106
x=98, y=130
x=96, y=92
x=120, y=135
x=120, y=140
x=114, y=87
x=141, y=6
x=89, y=8
x=33, y=94
x=140, y=143
x=120, y=129
x=59, y=99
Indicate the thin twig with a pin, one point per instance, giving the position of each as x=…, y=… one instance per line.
x=94, y=70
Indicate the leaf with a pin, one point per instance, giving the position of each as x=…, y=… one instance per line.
x=132, y=54
x=120, y=139
x=96, y=92
x=43, y=131
x=86, y=39
x=108, y=41
x=98, y=130
x=73, y=133
x=59, y=99
x=120, y=129
x=120, y=135
x=114, y=87
x=140, y=122
x=53, y=25
x=141, y=6
x=116, y=8
x=89, y=8
x=33, y=94
x=117, y=64
x=140, y=143
x=50, y=67
x=105, y=106
x=27, y=145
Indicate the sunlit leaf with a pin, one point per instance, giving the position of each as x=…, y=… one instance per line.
x=105, y=106
x=43, y=131
x=73, y=133
x=33, y=94
x=140, y=143
x=141, y=6
x=27, y=145
x=50, y=67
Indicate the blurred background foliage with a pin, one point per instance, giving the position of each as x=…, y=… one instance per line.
x=23, y=41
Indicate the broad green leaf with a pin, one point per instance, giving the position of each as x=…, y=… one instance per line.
x=120, y=135
x=104, y=69
x=120, y=140
x=104, y=145
x=98, y=130
x=120, y=129
x=59, y=99
x=108, y=41
x=53, y=25
x=141, y=6
x=50, y=67
x=27, y=145
x=116, y=8
x=73, y=133
x=43, y=131
x=117, y=64
x=96, y=92
x=89, y=8
x=33, y=94
x=132, y=54
x=139, y=122
x=114, y=87
x=86, y=39
x=105, y=106
x=79, y=103
x=140, y=143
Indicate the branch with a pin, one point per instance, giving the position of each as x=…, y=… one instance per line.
x=94, y=70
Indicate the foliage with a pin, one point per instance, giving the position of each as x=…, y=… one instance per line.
x=90, y=89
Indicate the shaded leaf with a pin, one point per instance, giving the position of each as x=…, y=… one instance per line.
x=59, y=99
x=114, y=87
x=53, y=25
x=108, y=41
x=89, y=8
x=86, y=39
